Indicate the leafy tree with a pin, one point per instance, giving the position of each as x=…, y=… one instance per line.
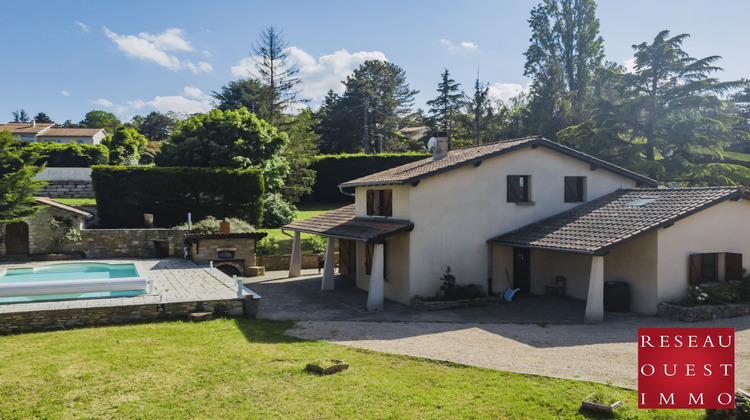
x=17, y=184
x=42, y=118
x=20, y=116
x=276, y=73
x=157, y=126
x=100, y=119
x=302, y=147
x=232, y=138
x=68, y=124
x=445, y=107
x=565, y=50
x=124, y=146
x=339, y=128
x=239, y=93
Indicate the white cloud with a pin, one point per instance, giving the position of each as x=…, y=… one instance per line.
x=64, y=93
x=505, y=91
x=137, y=104
x=465, y=45
x=149, y=47
x=103, y=102
x=629, y=65
x=317, y=76
x=83, y=26
x=180, y=104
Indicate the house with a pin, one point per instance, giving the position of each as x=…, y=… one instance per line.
x=522, y=213
x=48, y=132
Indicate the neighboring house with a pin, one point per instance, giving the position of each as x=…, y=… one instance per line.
x=41, y=132
x=42, y=232
x=521, y=213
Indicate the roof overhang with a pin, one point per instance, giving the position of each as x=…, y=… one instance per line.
x=343, y=224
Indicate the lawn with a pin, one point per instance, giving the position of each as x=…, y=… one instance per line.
x=305, y=211
x=242, y=368
x=77, y=201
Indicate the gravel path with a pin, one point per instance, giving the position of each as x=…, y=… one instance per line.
x=605, y=353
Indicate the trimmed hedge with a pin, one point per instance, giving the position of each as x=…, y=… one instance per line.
x=333, y=170
x=69, y=155
x=125, y=193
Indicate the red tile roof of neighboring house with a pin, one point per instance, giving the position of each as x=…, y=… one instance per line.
x=342, y=223
x=415, y=171
x=599, y=225
x=25, y=128
x=70, y=132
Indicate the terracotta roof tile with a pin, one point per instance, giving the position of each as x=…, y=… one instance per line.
x=25, y=128
x=597, y=226
x=70, y=132
x=342, y=223
x=414, y=171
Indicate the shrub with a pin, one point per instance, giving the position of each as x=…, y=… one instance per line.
x=124, y=194
x=267, y=246
x=451, y=291
x=315, y=244
x=210, y=225
x=277, y=212
x=333, y=170
x=69, y=155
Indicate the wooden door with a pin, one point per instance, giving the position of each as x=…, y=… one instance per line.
x=17, y=239
x=522, y=269
x=347, y=257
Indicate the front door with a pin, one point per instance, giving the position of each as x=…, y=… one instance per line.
x=522, y=269
x=17, y=239
x=347, y=257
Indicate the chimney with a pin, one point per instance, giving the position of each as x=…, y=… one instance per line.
x=439, y=145
x=33, y=123
x=224, y=227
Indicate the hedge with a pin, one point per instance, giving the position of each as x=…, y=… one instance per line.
x=333, y=170
x=124, y=194
x=69, y=155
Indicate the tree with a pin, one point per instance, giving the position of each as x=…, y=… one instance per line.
x=232, y=138
x=20, y=116
x=302, y=147
x=157, y=126
x=478, y=112
x=100, y=119
x=339, y=128
x=17, y=184
x=445, y=107
x=276, y=73
x=42, y=118
x=124, y=146
x=239, y=93
x=68, y=124
x=565, y=50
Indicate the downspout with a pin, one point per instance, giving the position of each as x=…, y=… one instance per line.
x=489, y=269
x=341, y=190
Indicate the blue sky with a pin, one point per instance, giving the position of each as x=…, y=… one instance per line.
x=67, y=58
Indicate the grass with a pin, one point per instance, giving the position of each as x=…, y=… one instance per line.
x=77, y=201
x=305, y=211
x=248, y=369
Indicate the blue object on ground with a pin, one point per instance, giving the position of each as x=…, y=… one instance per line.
x=508, y=295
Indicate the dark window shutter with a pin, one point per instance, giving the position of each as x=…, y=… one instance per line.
x=733, y=266
x=344, y=256
x=369, y=249
x=514, y=188
x=696, y=264
x=370, y=202
x=388, y=200
x=573, y=189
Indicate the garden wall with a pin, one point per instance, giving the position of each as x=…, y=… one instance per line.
x=281, y=262
x=67, y=189
x=127, y=243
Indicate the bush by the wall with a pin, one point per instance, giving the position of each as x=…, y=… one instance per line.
x=124, y=194
x=333, y=170
x=277, y=212
x=69, y=155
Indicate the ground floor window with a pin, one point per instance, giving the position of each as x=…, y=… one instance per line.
x=714, y=266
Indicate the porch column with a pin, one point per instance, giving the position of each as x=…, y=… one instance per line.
x=595, y=299
x=375, y=293
x=295, y=264
x=328, y=280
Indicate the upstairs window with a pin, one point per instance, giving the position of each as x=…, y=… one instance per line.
x=574, y=186
x=518, y=188
x=380, y=203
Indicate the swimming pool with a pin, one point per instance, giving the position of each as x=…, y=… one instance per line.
x=71, y=281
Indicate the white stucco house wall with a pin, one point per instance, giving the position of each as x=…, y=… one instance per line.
x=48, y=132
x=522, y=213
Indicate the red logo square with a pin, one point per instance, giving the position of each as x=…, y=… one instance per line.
x=686, y=368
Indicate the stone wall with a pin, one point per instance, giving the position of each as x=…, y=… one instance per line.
x=127, y=243
x=43, y=239
x=702, y=312
x=86, y=317
x=67, y=189
x=281, y=262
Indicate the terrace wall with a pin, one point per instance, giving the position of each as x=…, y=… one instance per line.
x=126, y=243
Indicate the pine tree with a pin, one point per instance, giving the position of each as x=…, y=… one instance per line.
x=277, y=73
x=445, y=107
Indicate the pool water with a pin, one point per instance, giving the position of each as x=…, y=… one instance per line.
x=74, y=271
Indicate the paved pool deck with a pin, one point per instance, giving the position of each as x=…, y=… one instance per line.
x=176, y=280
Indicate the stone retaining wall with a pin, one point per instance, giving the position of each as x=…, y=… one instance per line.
x=86, y=317
x=703, y=312
x=126, y=243
x=67, y=189
x=281, y=262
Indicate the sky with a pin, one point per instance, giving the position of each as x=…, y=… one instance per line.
x=133, y=57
